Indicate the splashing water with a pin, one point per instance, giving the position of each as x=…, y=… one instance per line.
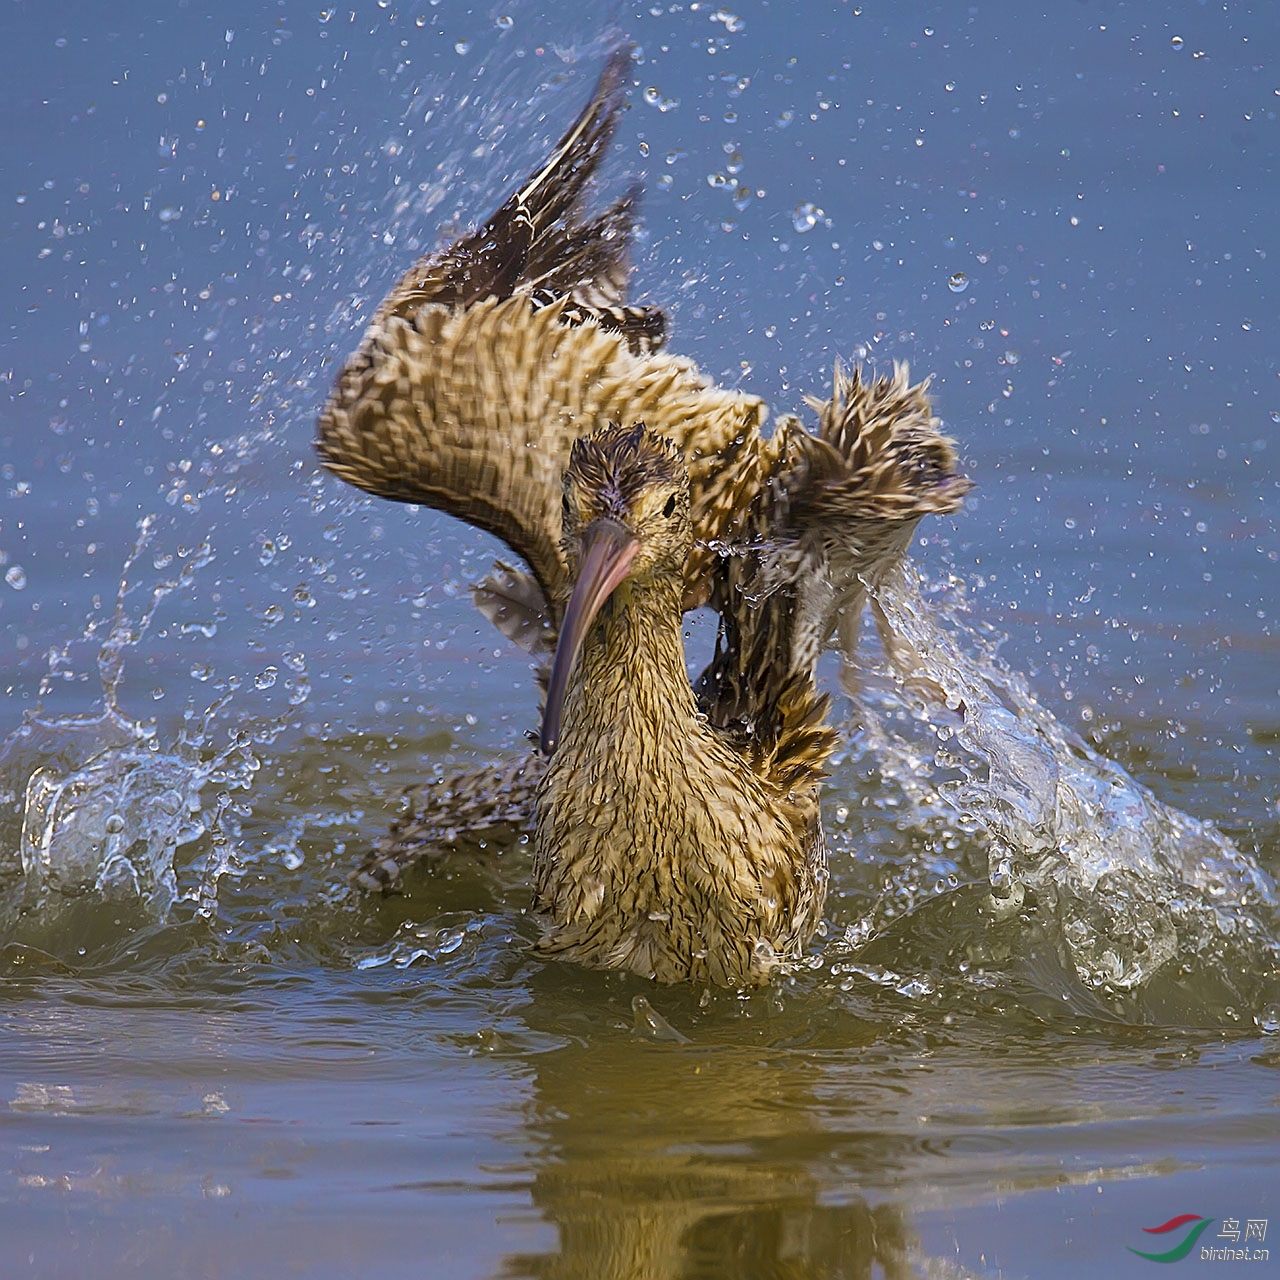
x=1132, y=887
x=98, y=805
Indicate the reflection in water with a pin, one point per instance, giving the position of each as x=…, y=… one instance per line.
x=779, y=1136
x=663, y=1161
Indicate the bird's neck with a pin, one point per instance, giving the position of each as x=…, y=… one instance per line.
x=631, y=677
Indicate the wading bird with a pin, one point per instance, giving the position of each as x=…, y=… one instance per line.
x=498, y=366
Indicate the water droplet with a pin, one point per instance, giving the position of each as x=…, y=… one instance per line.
x=950, y=86
x=652, y=95
x=1177, y=42
x=16, y=576
x=265, y=678
x=504, y=22
x=732, y=23
x=463, y=46
x=806, y=216
x=648, y=1022
x=958, y=282
x=114, y=824
x=742, y=198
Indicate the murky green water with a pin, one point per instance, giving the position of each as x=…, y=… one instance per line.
x=216, y=1060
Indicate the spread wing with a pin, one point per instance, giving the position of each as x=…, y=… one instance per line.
x=537, y=242
x=474, y=411
x=490, y=358
x=835, y=512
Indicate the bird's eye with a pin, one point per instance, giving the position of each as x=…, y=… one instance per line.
x=670, y=509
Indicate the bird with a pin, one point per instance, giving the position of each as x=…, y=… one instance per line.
x=663, y=844
x=493, y=357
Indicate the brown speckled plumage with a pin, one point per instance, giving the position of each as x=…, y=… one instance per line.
x=490, y=358
x=660, y=845
x=838, y=513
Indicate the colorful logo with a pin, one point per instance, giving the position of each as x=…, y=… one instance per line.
x=1184, y=1246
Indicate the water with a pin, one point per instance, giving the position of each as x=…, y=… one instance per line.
x=1043, y=1015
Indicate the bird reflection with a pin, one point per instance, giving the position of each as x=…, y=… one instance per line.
x=664, y=1160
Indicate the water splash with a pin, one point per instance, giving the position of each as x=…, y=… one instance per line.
x=93, y=804
x=1131, y=886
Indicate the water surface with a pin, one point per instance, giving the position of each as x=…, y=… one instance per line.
x=1043, y=1014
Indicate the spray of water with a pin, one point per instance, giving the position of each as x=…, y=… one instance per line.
x=98, y=803
x=1131, y=887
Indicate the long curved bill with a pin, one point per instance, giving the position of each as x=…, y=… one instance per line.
x=607, y=552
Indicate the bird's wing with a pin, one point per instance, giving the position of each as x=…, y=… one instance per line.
x=537, y=242
x=882, y=464
x=489, y=358
x=488, y=804
x=474, y=411
x=888, y=460
x=832, y=512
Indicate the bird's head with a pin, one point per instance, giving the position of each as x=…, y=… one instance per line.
x=625, y=520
